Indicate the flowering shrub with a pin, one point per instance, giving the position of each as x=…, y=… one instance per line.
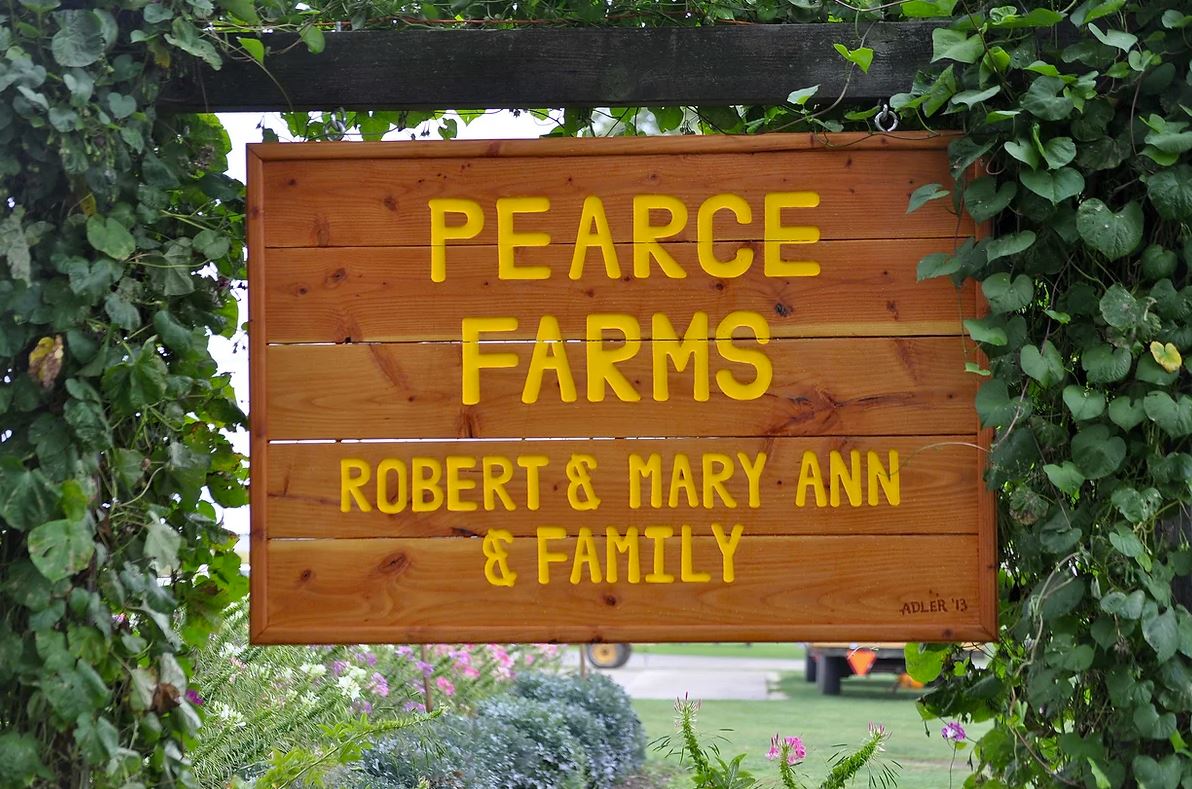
x=711, y=771
x=260, y=704
x=547, y=732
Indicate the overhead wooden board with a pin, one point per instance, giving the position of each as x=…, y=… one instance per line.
x=663, y=389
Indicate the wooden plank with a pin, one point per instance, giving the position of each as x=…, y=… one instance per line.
x=866, y=386
x=784, y=589
x=936, y=474
x=410, y=69
x=607, y=146
x=257, y=423
x=368, y=294
x=862, y=194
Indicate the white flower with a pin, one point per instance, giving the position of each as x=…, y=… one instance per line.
x=314, y=669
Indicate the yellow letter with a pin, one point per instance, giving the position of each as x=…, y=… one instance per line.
x=714, y=479
x=456, y=485
x=687, y=571
x=602, y=360
x=645, y=235
x=645, y=469
x=755, y=358
x=889, y=481
x=706, y=232
x=659, y=534
x=810, y=476
x=753, y=472
x=349, y=486
x=777, y=234
x=585, y=554
x=681, y=477
x=547, y=557
x=509, y=239
x=495, y=481
x=694, y=349
x=614, y=544
x=440, y=231
x=599, y=235
x=474, y=361
x=384, y=503
x=532, y=463
x=549, y=354
x=841, y=476
x=728, y=548
x=425, y=474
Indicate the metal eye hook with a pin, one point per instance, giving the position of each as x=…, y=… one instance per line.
x=886, y=121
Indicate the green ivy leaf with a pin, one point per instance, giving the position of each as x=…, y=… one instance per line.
x=1004, y=246
x=1127, y=413
x=1096, y=452
x=1045, y=365
x=1046, y=101
x=313, y=37
x=1114, y=235
x=1023, y=151
x=110, y=237
x=986, y=330
x=925, y=662
x=937, y=264
x=161, y=546
x=1084, y=404
x=1123, y=605
x=1170, y=191
x=20, y=753
x=1118, y=39
x=1106, y=364
x=61, y=548
x=1058, y=152
x=1136, y=506
x=925, y=194
x=1065, y=476
x=1120, y=309
x=79, y=40
x=27, y=497
x=947, y=44
x=861, y=57
x=1152, y=774
x=985, y=198
x=97, y=738
x=968, y=98
x=121, y=106
x=242, y=10
x=1053, y=186
x=1172, y=416
x=1162, y=633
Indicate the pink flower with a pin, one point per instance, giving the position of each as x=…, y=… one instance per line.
x=379, y=685
x=471, y=672
x=953, y=732
x=877, y=728
x=445, y=685
x=795, y=751
x=528, y=658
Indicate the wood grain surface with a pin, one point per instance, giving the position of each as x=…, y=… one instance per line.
x=937, y=480
x=384, y=202
x=785, y=589
x=362, y=294
x=865, y=386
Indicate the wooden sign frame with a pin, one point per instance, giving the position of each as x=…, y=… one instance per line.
x=325, y=575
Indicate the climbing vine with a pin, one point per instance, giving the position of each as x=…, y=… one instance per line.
x=121, y=241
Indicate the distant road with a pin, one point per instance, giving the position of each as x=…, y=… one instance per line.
x=672, y=676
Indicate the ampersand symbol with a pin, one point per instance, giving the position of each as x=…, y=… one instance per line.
x=496, y=567
x=580, y=480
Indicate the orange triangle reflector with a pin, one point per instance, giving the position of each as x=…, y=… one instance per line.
x=861, y=661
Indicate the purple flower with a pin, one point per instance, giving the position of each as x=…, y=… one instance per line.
x=362, y=707
x=193, y=697
x=426, y=668
x=953, y=732
x=367, y=657
x=877, y=728
x=379, y=685
x=338, y=667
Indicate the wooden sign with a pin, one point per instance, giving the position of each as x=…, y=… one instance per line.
x=681, y=388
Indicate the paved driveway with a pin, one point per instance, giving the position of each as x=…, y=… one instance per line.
x=672, y=676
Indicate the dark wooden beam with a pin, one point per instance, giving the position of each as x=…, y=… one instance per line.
x=560, y=67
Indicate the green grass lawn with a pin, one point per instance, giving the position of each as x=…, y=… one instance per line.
x=782, y=651
x=824, y=722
